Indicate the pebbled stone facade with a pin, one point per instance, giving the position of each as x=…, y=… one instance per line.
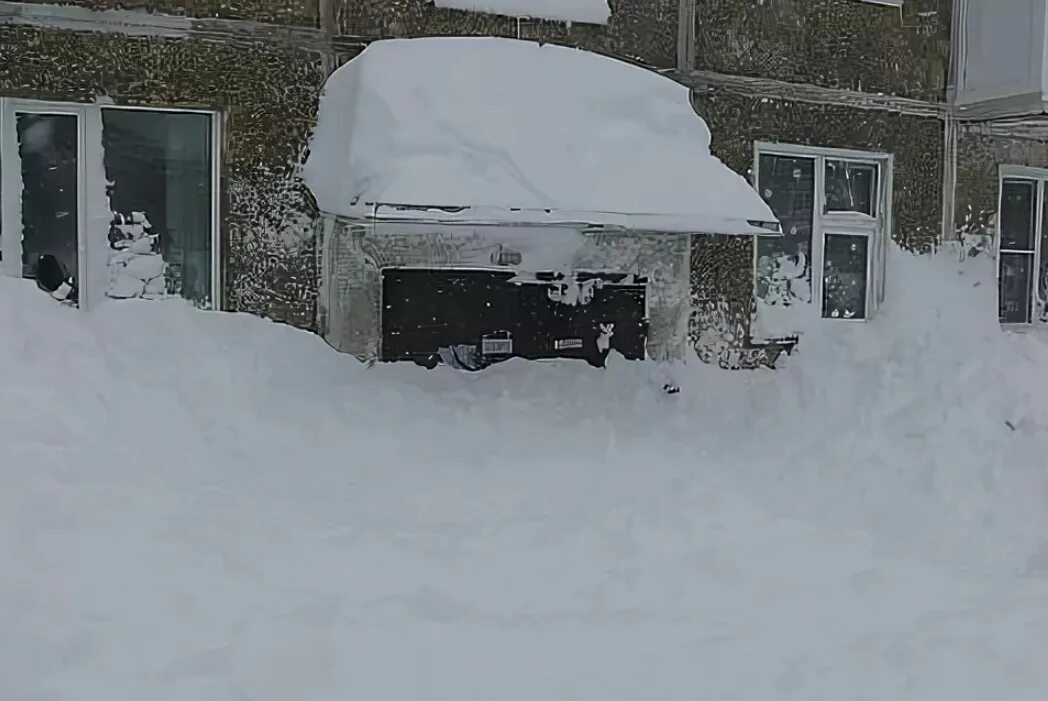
x=723, y=268
x=290, y=12
x=268, y=97
x=845, y=44
x=737, y=120
x=980, y=154
x=644, y=31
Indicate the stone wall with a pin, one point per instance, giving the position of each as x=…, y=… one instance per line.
x=833, y=43
x=738, y=120
x=291, y=12
x=980, y=153
x=723, y=267
x=644, y=31
x=268, y=97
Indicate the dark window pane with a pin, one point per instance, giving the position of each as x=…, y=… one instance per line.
x=1015, y=288
x=159, y=167
x=851, y=187
x=47, y=147
x=787, y=184
x=1017, y=214
x=844, y=278
x=1042, y=272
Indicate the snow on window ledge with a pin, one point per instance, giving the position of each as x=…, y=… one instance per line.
x=585, y=11
x=892, y=3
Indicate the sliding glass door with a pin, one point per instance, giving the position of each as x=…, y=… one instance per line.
x=41, y=161
x=126, y=199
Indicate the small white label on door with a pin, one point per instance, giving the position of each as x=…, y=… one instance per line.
x=497, y=346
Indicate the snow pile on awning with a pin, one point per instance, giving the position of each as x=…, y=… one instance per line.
x=590, y=11
x=547, y=132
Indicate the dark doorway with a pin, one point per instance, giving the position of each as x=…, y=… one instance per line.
x=483, y=316
x=48, y=146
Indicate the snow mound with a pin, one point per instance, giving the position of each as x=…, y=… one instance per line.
x=589, y=11
x=212, y=506
x=500, y=123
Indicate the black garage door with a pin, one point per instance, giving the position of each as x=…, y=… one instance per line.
x=426, y=310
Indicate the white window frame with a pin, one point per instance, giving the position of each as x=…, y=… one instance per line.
x=1038, y=176
x=89, y=161
x=877, y=231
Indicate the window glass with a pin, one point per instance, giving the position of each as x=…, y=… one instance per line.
x=1042, y=271
x=851, y=187
x=787, y=184
x=1017, y=214
x=158, y=165
x=845, y=259
x=48, y=152
x=1015, y=288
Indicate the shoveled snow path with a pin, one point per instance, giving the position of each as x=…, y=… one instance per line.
x=215, y=507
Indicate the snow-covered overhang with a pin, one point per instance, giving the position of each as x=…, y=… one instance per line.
x=603, y=221
x=516, y=132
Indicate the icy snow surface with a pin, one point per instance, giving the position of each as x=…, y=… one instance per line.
x=209, y=506
x=591, y=11
x=500, y=123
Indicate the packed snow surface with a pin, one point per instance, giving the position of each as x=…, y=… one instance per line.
x=501, y=123
x=212, y=506
x=590, y=11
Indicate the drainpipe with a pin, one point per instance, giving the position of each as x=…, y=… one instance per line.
x=328, y=30
x=686, y=36
x=954, y=67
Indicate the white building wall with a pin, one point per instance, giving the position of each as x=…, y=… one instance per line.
x=1002, y=55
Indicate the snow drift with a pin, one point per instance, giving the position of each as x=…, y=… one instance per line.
x=500, y=123
x=211, y=506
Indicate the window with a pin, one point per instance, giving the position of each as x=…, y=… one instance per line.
x=145, y=229
x=158, y=165
x=833, y=206
x=1022, y=274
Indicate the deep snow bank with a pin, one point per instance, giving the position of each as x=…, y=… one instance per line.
x=212, y=506
x=501, y=123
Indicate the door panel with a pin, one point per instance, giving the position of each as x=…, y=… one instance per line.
x=48, y=151
x=424, y=310
x=41, y=201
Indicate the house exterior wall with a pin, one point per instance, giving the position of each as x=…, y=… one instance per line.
x=825, y=73
x=843, y=44
x=723, y=281
x=981, y=151
x=644, y=31
x=267, y=95
x=828, y=44
x=737, y=120
x=289, y=12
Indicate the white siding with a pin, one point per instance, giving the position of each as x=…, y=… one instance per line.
x=1001, y=50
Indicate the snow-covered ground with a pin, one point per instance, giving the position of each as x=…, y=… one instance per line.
x=210, y=506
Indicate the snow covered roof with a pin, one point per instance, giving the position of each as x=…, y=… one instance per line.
x=541, y=132
x=590, y=11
